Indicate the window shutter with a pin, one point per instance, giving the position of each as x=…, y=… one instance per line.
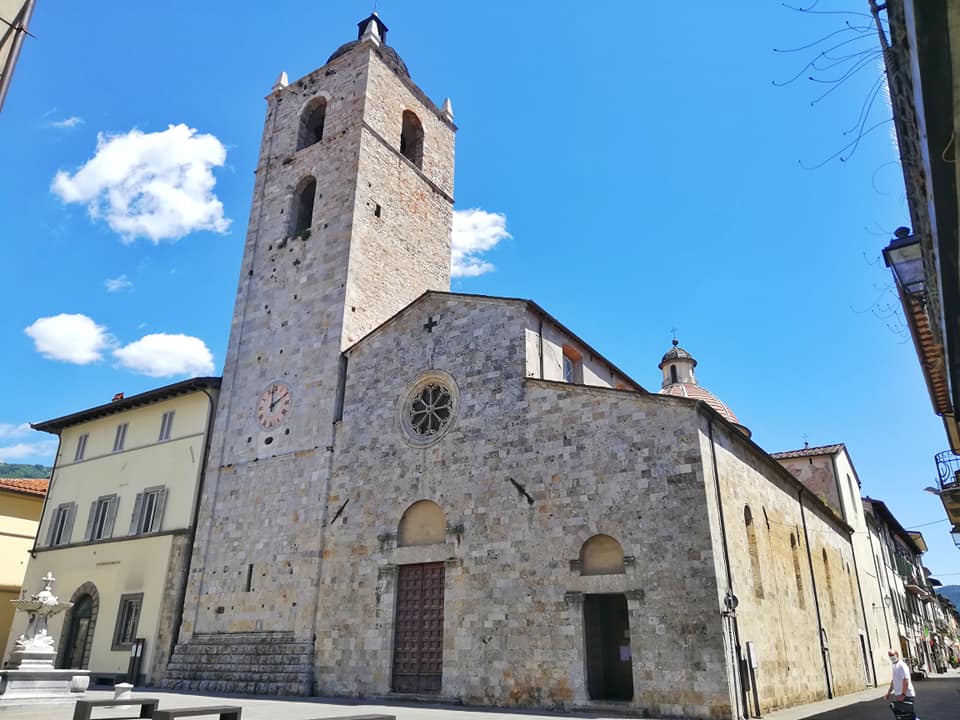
x=135, y=518
x=157, y=523
x=68, y=523
x=51, y=527
x=93, y=513
x=111, y=517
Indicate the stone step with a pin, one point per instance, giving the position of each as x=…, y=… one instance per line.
x=270, y=663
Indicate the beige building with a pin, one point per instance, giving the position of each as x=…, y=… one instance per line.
x=417, y=492
x=117, y=526
x=21, y=500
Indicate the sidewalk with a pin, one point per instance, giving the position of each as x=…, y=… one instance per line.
x=315, y=708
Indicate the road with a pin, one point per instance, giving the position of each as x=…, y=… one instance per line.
x=938, y=698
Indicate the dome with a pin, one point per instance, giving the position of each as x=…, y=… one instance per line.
x=679, y=380
x=388, y=52
x=695, y=392
x=676, y=353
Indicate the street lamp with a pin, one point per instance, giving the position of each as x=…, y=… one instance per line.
x=903, y=256
x=955, y=535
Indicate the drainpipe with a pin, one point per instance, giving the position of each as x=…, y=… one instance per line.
x=856, y=573
x=46, y=497
x=816, y=601
x=730, y=617
x=192, y=536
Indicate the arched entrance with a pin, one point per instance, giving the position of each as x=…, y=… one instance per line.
x=79, y=624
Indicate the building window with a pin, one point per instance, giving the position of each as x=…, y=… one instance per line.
x=148, y=511
x=120, y=437
x=795, y=551
x=103, y=513
x=302, y=214
x=572, y=365
x=826, y=572
x=127, y=618
x=81, y=447
x=429, y=409
x=673, y=373
x=311, y=123
x=61, y=527
x=411, y=139
x=166, y=426
x=754, y=552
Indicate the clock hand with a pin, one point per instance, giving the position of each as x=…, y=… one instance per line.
x=273, y=404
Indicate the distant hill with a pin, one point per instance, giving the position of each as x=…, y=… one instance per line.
x=951, y=592
x=19, y=470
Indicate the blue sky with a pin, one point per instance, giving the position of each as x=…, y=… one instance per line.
x=638, y=167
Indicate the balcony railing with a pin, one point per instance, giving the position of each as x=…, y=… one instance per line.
x=948, y=470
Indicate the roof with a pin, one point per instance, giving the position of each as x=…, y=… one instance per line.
x=676, y=353
x=25, y=486
x=698, y=392
x=809, y=452
x=134, y=401
x=881, y=508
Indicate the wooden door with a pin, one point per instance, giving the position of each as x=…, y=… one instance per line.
x=418, y=629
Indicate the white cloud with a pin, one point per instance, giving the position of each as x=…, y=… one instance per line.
x=161, y=355
x=71, y=338
x=475, y=232
x=39, y=452
x=118, y=283
x=69, y=122
x=154, y=185
x=11, y=432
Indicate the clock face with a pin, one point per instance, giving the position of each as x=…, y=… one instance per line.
x=273, y=405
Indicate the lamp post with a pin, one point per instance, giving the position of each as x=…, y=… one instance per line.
x=955, y=536
x=903, y=256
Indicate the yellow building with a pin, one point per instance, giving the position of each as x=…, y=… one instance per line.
x=21, y=500
x=118, y=525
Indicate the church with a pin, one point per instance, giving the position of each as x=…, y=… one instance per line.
x=415, y=493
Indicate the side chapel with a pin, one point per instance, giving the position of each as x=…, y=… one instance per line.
x=413, y=491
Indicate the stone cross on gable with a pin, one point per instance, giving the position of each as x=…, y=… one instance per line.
x=430, y=324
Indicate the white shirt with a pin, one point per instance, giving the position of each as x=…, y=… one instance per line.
x=900, y=673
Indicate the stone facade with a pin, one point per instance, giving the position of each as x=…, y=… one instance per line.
x=379, y=237
x=301, y=579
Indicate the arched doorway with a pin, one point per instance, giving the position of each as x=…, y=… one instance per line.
x=79, y=624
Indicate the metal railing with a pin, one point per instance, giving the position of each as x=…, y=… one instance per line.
x=948, y=470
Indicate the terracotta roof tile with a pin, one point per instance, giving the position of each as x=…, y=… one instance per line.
x=27, y=486
x=809, y=452
x=698, y=392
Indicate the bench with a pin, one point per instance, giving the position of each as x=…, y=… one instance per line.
x=225, y=712
x=83, y=708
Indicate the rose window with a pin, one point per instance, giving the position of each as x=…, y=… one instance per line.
x=430, y=410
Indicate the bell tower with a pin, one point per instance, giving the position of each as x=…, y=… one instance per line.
x=350, y=222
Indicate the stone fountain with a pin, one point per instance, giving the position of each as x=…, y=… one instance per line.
x=32, y=675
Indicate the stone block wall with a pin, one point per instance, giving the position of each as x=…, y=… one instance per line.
x=300, y=299
x=528, y=472
x=778, y=596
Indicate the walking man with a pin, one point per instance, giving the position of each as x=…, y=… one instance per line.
x=901, y=688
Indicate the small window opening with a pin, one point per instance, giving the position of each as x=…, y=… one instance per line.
x=249, y=577
x=304, y=207
x=311, y=123
x=673, y=373
x=572, y=365
x=376, y=211
x=411, y=139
